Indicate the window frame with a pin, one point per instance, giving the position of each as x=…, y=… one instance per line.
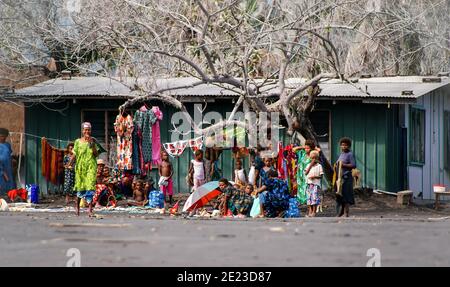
x=446, y=127
x=412, y=127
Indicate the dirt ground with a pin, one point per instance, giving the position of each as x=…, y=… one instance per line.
x=368, y=204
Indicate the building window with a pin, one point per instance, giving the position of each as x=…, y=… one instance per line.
x=320, y=120
x=417, y=139
x=102, y=126
x=447, y=140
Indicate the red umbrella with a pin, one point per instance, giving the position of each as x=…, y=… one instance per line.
x=202, y=196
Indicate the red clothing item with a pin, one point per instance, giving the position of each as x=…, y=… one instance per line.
x=280, y=161
x=22, y=193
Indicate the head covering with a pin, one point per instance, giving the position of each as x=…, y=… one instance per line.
x=100, y=161
x=4, y=132
x=86, y=125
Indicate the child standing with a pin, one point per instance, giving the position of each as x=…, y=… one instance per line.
x=240, y=176
x=166, y=172
x=69, y=172
x=346, y=160
x=197, y=170
x=313, y=173
x=263, y=174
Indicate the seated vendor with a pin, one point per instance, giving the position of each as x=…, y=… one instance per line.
x=274, y=196
x=237, y=201
x=104, y=189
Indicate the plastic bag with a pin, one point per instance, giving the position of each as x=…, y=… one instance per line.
x=256, y=208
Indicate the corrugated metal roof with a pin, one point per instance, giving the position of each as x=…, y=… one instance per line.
x=102, y=87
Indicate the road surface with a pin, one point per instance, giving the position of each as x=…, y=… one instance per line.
x=48, y=239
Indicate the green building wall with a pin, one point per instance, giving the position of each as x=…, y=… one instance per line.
x=374, y=129
x=377, y=141
x=47, y=122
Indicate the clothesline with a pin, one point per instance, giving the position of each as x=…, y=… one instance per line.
x=21, y=134
x=39, y=137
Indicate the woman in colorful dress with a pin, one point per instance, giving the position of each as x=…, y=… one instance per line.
x=86, y=153
x=6, y=175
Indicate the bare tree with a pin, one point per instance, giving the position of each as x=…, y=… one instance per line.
x=251, y=47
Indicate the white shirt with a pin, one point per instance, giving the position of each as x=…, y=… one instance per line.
x=199, y=169
x=239, y=175
x=315, y=171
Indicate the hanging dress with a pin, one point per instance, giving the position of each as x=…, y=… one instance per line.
x=123, y=127
x=143, y=121
x=156, y=137
x=302, y=163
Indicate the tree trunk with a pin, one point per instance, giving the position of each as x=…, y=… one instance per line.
x=306, y=129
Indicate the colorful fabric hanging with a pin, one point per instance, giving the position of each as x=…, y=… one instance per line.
x=280, y=161
x=302, y=164
x=52, y=164
x=137, y=152
x=43, y=156
x=143, y=121
x=196, y=144
x=175, y=149
x=156, y=137
x=123, y=127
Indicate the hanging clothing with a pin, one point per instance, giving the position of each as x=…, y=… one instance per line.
x=156, y=137
x=280, y=161
x=137, y=159
x=123, y=127
x=43, y=156
x=52, y=163
x=143, y=121
x=175, y=149
x=6, y=175
x=303, y=161
x=54, y=167
x=288, y=169
x=85, y=169
x=196, y=144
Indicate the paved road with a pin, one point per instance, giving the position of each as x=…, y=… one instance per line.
x=123, y=240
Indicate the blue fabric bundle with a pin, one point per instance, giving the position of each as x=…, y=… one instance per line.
x=293, y=211
x=156, y=199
